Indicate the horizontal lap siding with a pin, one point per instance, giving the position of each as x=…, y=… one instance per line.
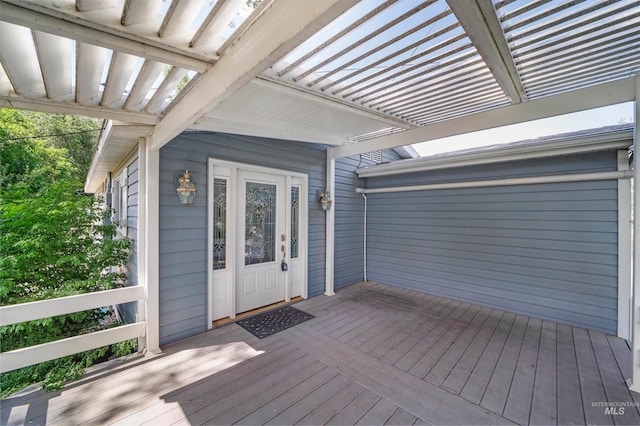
x=349, y=219
x=546, y=250
x=183, y=229
x=128, y=311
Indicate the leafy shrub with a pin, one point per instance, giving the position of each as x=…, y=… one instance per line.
x=55, y=241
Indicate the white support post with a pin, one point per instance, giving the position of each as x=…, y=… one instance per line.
x=330, y=225
x=148, y=242
x=624, y=249
x=635, y=328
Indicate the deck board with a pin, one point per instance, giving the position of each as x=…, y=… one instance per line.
x=460, y=373
x=374, y=354
x=478, y=380
x=450, y=358
x=590, y=380
x=333, y=406
x=497, y=392
x=570, y=411
x=544, y=400
x=614, y=389
x=422, y=367
x=296, y=412
x=518, y=405
x=401, y=418
x=378, y=414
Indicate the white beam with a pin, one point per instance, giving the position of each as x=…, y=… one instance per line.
x=54, y=107
x=103, y=36
x=614, y=92
x=216, y=22
x=90, y=61
x=635, y=325
x=20, y=61
x=137, y=12
x=480, y=23
x=149, y=73
x=120, y=70
x=88, y=5
x=56, y=55
x=178, y=18
x=168, y=85
x=287, y=23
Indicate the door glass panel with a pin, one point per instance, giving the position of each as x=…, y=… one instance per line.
x=260, y=223
x=295, y=220
x=219, y=223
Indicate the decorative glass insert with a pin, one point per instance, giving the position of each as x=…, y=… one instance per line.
x=295, y=220
x=260, y=222
x=219, y=224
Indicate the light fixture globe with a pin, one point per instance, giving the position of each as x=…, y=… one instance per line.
x=325, y=200
x=186, y=189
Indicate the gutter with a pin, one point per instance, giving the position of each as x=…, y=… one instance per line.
x=597, y=142
x=582, y=177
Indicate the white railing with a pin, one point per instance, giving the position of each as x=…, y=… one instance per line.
x=24, y=357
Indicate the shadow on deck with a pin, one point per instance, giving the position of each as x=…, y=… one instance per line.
x=374, y=354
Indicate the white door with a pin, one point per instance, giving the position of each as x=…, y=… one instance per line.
x=261, y=220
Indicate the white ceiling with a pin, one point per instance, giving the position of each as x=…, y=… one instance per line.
x=381, y=73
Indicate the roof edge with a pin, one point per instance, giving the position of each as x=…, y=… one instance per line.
x=605, y=140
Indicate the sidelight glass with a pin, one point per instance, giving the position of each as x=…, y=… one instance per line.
x=219, y=223
x=295, y=221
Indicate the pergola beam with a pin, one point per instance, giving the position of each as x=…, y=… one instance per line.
x=53, y=107
x=605, y=94
x=281, y=28
x=480, y=22
x=102, y=36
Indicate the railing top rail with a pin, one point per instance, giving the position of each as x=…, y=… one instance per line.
x=21, y=312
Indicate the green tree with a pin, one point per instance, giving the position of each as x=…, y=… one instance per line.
x=54, y=240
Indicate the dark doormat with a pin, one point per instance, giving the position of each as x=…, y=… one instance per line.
x=271, y=322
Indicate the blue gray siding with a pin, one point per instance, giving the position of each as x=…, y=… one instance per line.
x=349, y=219
x=128, y=311
x=183, y=229
x=546, y=250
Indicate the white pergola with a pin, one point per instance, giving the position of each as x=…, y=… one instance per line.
x=358, y=75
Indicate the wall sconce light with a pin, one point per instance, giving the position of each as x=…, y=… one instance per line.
x=325, y=200
x=186, y=189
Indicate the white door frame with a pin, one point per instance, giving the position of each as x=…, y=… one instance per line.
x=221, y=297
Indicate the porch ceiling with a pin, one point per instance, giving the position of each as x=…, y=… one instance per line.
x=339, y=72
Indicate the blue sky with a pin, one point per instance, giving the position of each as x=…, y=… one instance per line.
x=589, y=119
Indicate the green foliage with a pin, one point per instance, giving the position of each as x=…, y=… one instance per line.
x=55, y=244
x=55, y=241
x=253, y=3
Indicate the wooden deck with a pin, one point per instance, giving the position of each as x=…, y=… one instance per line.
x=374, y=354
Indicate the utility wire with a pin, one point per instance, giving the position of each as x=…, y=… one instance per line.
x=52, y=135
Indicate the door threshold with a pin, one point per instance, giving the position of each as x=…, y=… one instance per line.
x=227, y=320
